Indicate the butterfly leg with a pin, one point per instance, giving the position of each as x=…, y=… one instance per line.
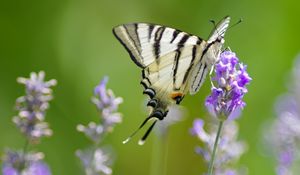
x=210, y=73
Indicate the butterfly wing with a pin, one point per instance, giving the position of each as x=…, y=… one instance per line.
x=210, y=55
x=219, y=30
x=167, y=79
x=146, y=43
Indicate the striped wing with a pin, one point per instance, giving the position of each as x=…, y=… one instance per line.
x=146, y=43
x=220, y=30
x=210, y=55
x=168, y=77
x=198, y=76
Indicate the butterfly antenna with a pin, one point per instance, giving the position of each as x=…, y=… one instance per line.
x=214, y=23
x=141, y=126
x=238, y=22
x=143, y=139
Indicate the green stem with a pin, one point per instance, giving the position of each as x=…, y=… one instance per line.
x=23, y=155
x=211, y=163
x=25, y=147
x=165, y=153
x=156, y=156
x=159, y=155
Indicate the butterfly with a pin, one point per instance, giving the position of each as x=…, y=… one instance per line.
x=173, y=62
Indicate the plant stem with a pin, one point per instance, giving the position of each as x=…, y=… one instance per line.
x=156, y=163
x=25, y=147
x=211, y=163
x=165, y=153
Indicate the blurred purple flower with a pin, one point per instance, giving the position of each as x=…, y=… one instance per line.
x=95, y=161
x=229, y=149
x=16, y=163
x=231, y=76
x=32, y=107
x=92, y=131
x=107, y=104
x=283, y=135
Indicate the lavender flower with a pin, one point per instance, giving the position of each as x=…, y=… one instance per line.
x=231, y=77
x=283, y=135
x=32, y=107
x=107, y=104
x=96, y=161
x=229, y=149
x=18, y=163
x=92, y=130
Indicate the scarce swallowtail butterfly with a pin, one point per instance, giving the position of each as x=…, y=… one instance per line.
x=173, y=62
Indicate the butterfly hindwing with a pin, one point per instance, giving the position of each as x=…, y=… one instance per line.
x=197, y=77
x=169, y=75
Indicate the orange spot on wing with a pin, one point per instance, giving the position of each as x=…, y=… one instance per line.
x=176, y=95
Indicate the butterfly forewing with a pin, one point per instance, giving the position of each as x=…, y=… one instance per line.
x=147, y=42
x=219, y=30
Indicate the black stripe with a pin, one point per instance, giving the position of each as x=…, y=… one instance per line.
x=175, y=66
x=136, y=45
x=197, y=73
x=199, y=41
x=134, y=59
x=151, y=27
x=157, y=38
x=145, y=78
x=207, y=47
x=144, y=84
x=175, y=33
x=183, y=40
x=201, y=78
x=194, y=52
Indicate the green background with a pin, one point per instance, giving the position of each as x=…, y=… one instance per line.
x=73, y=43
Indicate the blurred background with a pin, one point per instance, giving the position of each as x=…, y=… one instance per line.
x=72, y=41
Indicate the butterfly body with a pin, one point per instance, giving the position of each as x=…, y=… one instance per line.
x=173, y=62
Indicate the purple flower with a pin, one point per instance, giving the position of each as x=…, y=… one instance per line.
x=231, y=77
x=229, y=149
x=283, y=135
x=95, y=161
x=16, y=163
x=107, y=104
x=92, y=130
x=32, y=107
